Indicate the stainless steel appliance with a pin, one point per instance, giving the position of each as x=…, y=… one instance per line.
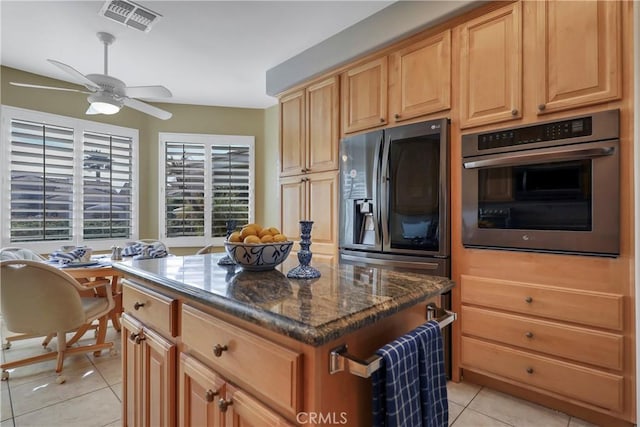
x=394, y=197
x=551, y=187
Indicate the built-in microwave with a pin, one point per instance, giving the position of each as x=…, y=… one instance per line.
x=551, y=187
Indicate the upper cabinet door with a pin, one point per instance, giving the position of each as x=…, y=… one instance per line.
x=292, y=134
x=420, y=78
x=364, y=96
x=578, y=56
x=491, y=67
x=323, y=107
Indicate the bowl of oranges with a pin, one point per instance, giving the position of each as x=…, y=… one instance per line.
x=257, y=248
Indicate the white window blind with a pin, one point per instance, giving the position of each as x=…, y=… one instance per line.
x=208, y=180
x=231, y=189
x=66, y=181
x=41, y=171
x=107, y=179
x=184, y=190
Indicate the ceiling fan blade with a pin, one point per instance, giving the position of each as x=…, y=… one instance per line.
x=91, y=111
x=146, y=108
x=47, y=87
x=79, y=77
x=148, y=92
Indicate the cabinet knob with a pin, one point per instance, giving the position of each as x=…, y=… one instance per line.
x=529, y=370
x=303, y=170
x=382, y=120
x=528, y=334
x=138, y=305
x=396, y=115
x=514, y=112
x=541, y=107
x=224, y=404
x=218, y=349
x=528, y=300
x=133, y=336
x=136, y=337
x=210, y=395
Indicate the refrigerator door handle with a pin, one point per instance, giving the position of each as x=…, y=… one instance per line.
x=385, y=182
x=376, y=194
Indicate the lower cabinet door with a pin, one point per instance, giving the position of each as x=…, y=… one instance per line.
x=159, y=379
x=243, y=410
x=200, y=391
x=149, y=376
x=131, y=375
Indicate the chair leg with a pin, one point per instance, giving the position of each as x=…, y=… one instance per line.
x=47, y=340
x=102, y=333
x=79, y=333
x=62, y=347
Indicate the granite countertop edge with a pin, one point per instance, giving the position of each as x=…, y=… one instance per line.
x=307, y=334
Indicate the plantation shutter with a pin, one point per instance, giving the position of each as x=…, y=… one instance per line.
x=231, y=187
x=184, y=189
x=41, y=169
x=107, y=177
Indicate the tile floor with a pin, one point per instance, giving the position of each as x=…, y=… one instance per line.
x=92, y=396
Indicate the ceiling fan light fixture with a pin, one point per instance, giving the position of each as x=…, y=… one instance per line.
x=104, y=104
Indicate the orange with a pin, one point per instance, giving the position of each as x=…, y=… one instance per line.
x=267, y=238
x=279, y=238
x=264, y=232
x=235, y=237
x=248, y=231
x=252, y=239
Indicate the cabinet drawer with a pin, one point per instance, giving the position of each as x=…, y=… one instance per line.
x=269, y=371
x=589, y=308
x=580, y=344
x=151, y=308
x=587, y=385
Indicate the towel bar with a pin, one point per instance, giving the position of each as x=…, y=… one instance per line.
x=340, y=359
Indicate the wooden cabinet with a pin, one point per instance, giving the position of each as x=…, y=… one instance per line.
x=311, y=197
x=243, y=410
x=491, y=67
x=309, y=129
x=578, y=54
x=562, y=342
x=292, y=133
x=420, y=78
x=364, y=96
x=149, y=376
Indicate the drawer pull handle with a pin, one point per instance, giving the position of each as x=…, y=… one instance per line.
x=211, y=394
x=218, y=349
x=529, y=370
x=138, y=305
x=528, y=300
x=136, y=337
x=528, y=334
x=224, y=404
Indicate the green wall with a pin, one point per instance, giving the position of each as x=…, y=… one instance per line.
x=263, y=124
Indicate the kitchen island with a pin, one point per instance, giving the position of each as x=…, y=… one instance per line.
x=254, y=346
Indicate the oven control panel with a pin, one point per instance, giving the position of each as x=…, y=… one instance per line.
x=566, y=129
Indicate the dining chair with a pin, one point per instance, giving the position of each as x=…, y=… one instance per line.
x=39, y=299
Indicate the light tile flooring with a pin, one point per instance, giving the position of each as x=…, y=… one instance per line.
x=92, y=395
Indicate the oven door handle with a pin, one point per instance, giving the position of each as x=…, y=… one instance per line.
x=554, y=155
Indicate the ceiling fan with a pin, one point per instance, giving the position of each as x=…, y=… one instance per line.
x=107, y=95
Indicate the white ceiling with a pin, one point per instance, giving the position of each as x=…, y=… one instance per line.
x=205, y=52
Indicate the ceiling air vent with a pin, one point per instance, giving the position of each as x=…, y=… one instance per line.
x=130, y=14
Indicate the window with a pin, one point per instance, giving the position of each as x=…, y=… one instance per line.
x=207, y=181
x=67, y=181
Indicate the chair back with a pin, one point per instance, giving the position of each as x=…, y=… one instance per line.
x=19, y=253
x=36, y=298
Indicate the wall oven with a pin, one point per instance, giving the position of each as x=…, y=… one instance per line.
x=551, y=187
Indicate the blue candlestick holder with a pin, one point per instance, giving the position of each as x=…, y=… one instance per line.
x=304, y=270
x=226, y=260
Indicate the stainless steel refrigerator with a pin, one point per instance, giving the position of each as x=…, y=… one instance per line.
x=394, y=198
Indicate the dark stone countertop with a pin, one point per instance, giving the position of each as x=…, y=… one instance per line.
x=344, y=299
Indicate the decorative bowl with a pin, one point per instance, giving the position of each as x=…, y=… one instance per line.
x=258, y=256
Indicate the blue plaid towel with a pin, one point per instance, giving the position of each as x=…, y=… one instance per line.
x=410, y=388
x=143, y=250
x=74, y=255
